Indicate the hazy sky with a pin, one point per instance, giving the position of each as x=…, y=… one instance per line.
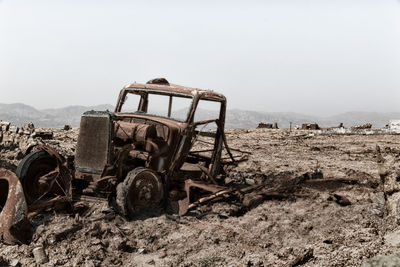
x=317, y=57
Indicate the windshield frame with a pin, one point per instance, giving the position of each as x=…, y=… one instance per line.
x=144, y=93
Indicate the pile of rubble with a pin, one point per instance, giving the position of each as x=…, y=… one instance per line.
x=16, y=142
x=394, y=125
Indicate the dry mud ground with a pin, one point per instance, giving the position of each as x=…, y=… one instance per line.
x=274, y=233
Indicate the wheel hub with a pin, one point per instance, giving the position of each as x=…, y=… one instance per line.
x=142, y=191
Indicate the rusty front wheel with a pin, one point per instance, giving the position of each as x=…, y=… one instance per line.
x=141, y=193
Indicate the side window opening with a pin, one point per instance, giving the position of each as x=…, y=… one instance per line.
x=204, y=140
x=207, y=110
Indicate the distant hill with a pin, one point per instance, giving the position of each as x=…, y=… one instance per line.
x=72, y=114
x=21, y=114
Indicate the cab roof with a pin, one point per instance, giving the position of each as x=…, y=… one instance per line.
x=174, y=89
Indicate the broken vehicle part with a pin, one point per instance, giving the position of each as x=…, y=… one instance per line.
x=43, y=173
x=15, y=227
x=185, y=204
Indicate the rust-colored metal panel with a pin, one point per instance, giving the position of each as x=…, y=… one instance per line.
x=15, y=227
x=93, y=146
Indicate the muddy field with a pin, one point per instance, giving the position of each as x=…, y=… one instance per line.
x=328, y=207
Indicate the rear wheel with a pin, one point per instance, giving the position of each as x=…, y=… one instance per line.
x=141, y=193
x=35, y=174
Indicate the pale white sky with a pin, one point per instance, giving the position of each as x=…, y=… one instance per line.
x=318, y=57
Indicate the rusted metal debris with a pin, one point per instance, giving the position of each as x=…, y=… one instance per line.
x=310, y=126
x=363, y=126
x=185, y=205
x=262, y=125
x=15, y=227
x=57, y=203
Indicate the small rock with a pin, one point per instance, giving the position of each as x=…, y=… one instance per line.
x=95, y=241
x=5, y=126
x=228, y=180
x=127, y=246
x=151, y=262
x=303, y=258
x=31, y=126
x=378, y=207
x=317, y=174
x=162, y=255
x=341, y=200
x=40, y=256
x=252, y=200
x=14, y=263
x=250, y=181
x=14, y=129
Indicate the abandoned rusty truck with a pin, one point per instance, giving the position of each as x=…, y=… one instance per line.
x=149, y=149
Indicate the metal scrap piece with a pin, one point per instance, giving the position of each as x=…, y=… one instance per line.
x=15, y=227
x=185, y=205
x=62, y=173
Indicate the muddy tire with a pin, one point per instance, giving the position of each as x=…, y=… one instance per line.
x=30, y=169
x=140, y=194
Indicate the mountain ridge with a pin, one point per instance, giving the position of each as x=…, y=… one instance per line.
x=21, y=114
